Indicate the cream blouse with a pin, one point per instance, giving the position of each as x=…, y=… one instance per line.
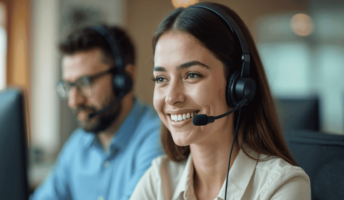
x=269, y=178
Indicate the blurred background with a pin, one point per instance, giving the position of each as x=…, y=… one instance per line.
x=301, y=44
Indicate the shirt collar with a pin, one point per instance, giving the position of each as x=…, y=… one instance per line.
x=239, y=175
x=125, y=131
x=88, y=138
x=185, y=184
x=238, y=178
x=127, y=128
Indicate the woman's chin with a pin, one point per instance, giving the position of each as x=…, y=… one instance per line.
x=181, y=139
x=181, y=143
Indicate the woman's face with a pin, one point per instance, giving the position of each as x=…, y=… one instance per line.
x=189, y=79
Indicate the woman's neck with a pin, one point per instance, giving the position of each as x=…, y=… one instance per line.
x=210, y=161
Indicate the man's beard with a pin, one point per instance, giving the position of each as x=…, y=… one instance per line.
x=99, y=122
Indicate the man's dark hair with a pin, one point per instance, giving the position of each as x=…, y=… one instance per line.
x=84, y=39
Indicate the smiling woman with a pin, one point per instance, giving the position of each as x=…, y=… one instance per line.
x=188, y=84
x=199, y=60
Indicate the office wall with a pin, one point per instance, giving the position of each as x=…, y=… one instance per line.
x=327, y=48
x=18, y=26
x=303, y=66
x=44, y=62
x=3, y=45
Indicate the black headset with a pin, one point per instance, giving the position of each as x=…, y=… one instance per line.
x=239, y=85
x=122, y=83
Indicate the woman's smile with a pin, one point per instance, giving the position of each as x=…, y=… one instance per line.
x=181, y=117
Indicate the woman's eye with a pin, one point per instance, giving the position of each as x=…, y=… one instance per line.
x=159, y=79
x=193, y=76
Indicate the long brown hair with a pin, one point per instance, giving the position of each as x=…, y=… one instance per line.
x=259, y=128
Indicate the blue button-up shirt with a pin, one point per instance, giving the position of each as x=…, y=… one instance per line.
x=84, y=170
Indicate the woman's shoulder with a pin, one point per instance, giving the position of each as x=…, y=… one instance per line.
x=280, y=178
x=278, y=166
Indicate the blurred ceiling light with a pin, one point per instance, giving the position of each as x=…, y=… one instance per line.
x=302, y=24
x=183, y=3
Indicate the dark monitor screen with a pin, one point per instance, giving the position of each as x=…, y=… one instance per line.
x=13, y=146
x=298, y=113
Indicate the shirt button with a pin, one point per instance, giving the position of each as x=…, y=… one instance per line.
x=100, y=198
x=106, y=164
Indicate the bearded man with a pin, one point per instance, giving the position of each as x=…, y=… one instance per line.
x=116, y=142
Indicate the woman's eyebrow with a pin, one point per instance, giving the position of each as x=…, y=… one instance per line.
x=190, y=64
x=159, y=69
x=181, y=66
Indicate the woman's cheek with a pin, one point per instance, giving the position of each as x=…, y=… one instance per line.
x=202, y=94
x=158, y=103
x=157, y=100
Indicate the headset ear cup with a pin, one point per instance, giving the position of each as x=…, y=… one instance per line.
x=245, y=88
x=128, y=84
x=122, y=83
x=231, y=89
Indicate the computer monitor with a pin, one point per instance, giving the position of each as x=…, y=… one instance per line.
x=13, y=146
x=298, y=113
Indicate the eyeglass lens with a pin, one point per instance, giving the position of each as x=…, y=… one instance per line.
x=83, y=85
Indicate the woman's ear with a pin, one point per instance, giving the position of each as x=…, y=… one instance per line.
x=130, y=69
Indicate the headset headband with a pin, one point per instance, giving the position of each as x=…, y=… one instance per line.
x=116, y=53
x=237, y=31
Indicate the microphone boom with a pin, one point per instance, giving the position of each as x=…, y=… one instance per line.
x=203, y=119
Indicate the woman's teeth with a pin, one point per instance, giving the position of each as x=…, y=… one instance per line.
x=182, y=117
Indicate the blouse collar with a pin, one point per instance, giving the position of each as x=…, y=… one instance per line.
x=238, y=178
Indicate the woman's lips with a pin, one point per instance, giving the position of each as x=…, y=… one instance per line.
x=182, y=118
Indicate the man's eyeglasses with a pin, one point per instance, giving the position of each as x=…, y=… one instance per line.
x=83, y=84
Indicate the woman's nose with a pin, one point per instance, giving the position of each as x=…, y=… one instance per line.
x=175, y=94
